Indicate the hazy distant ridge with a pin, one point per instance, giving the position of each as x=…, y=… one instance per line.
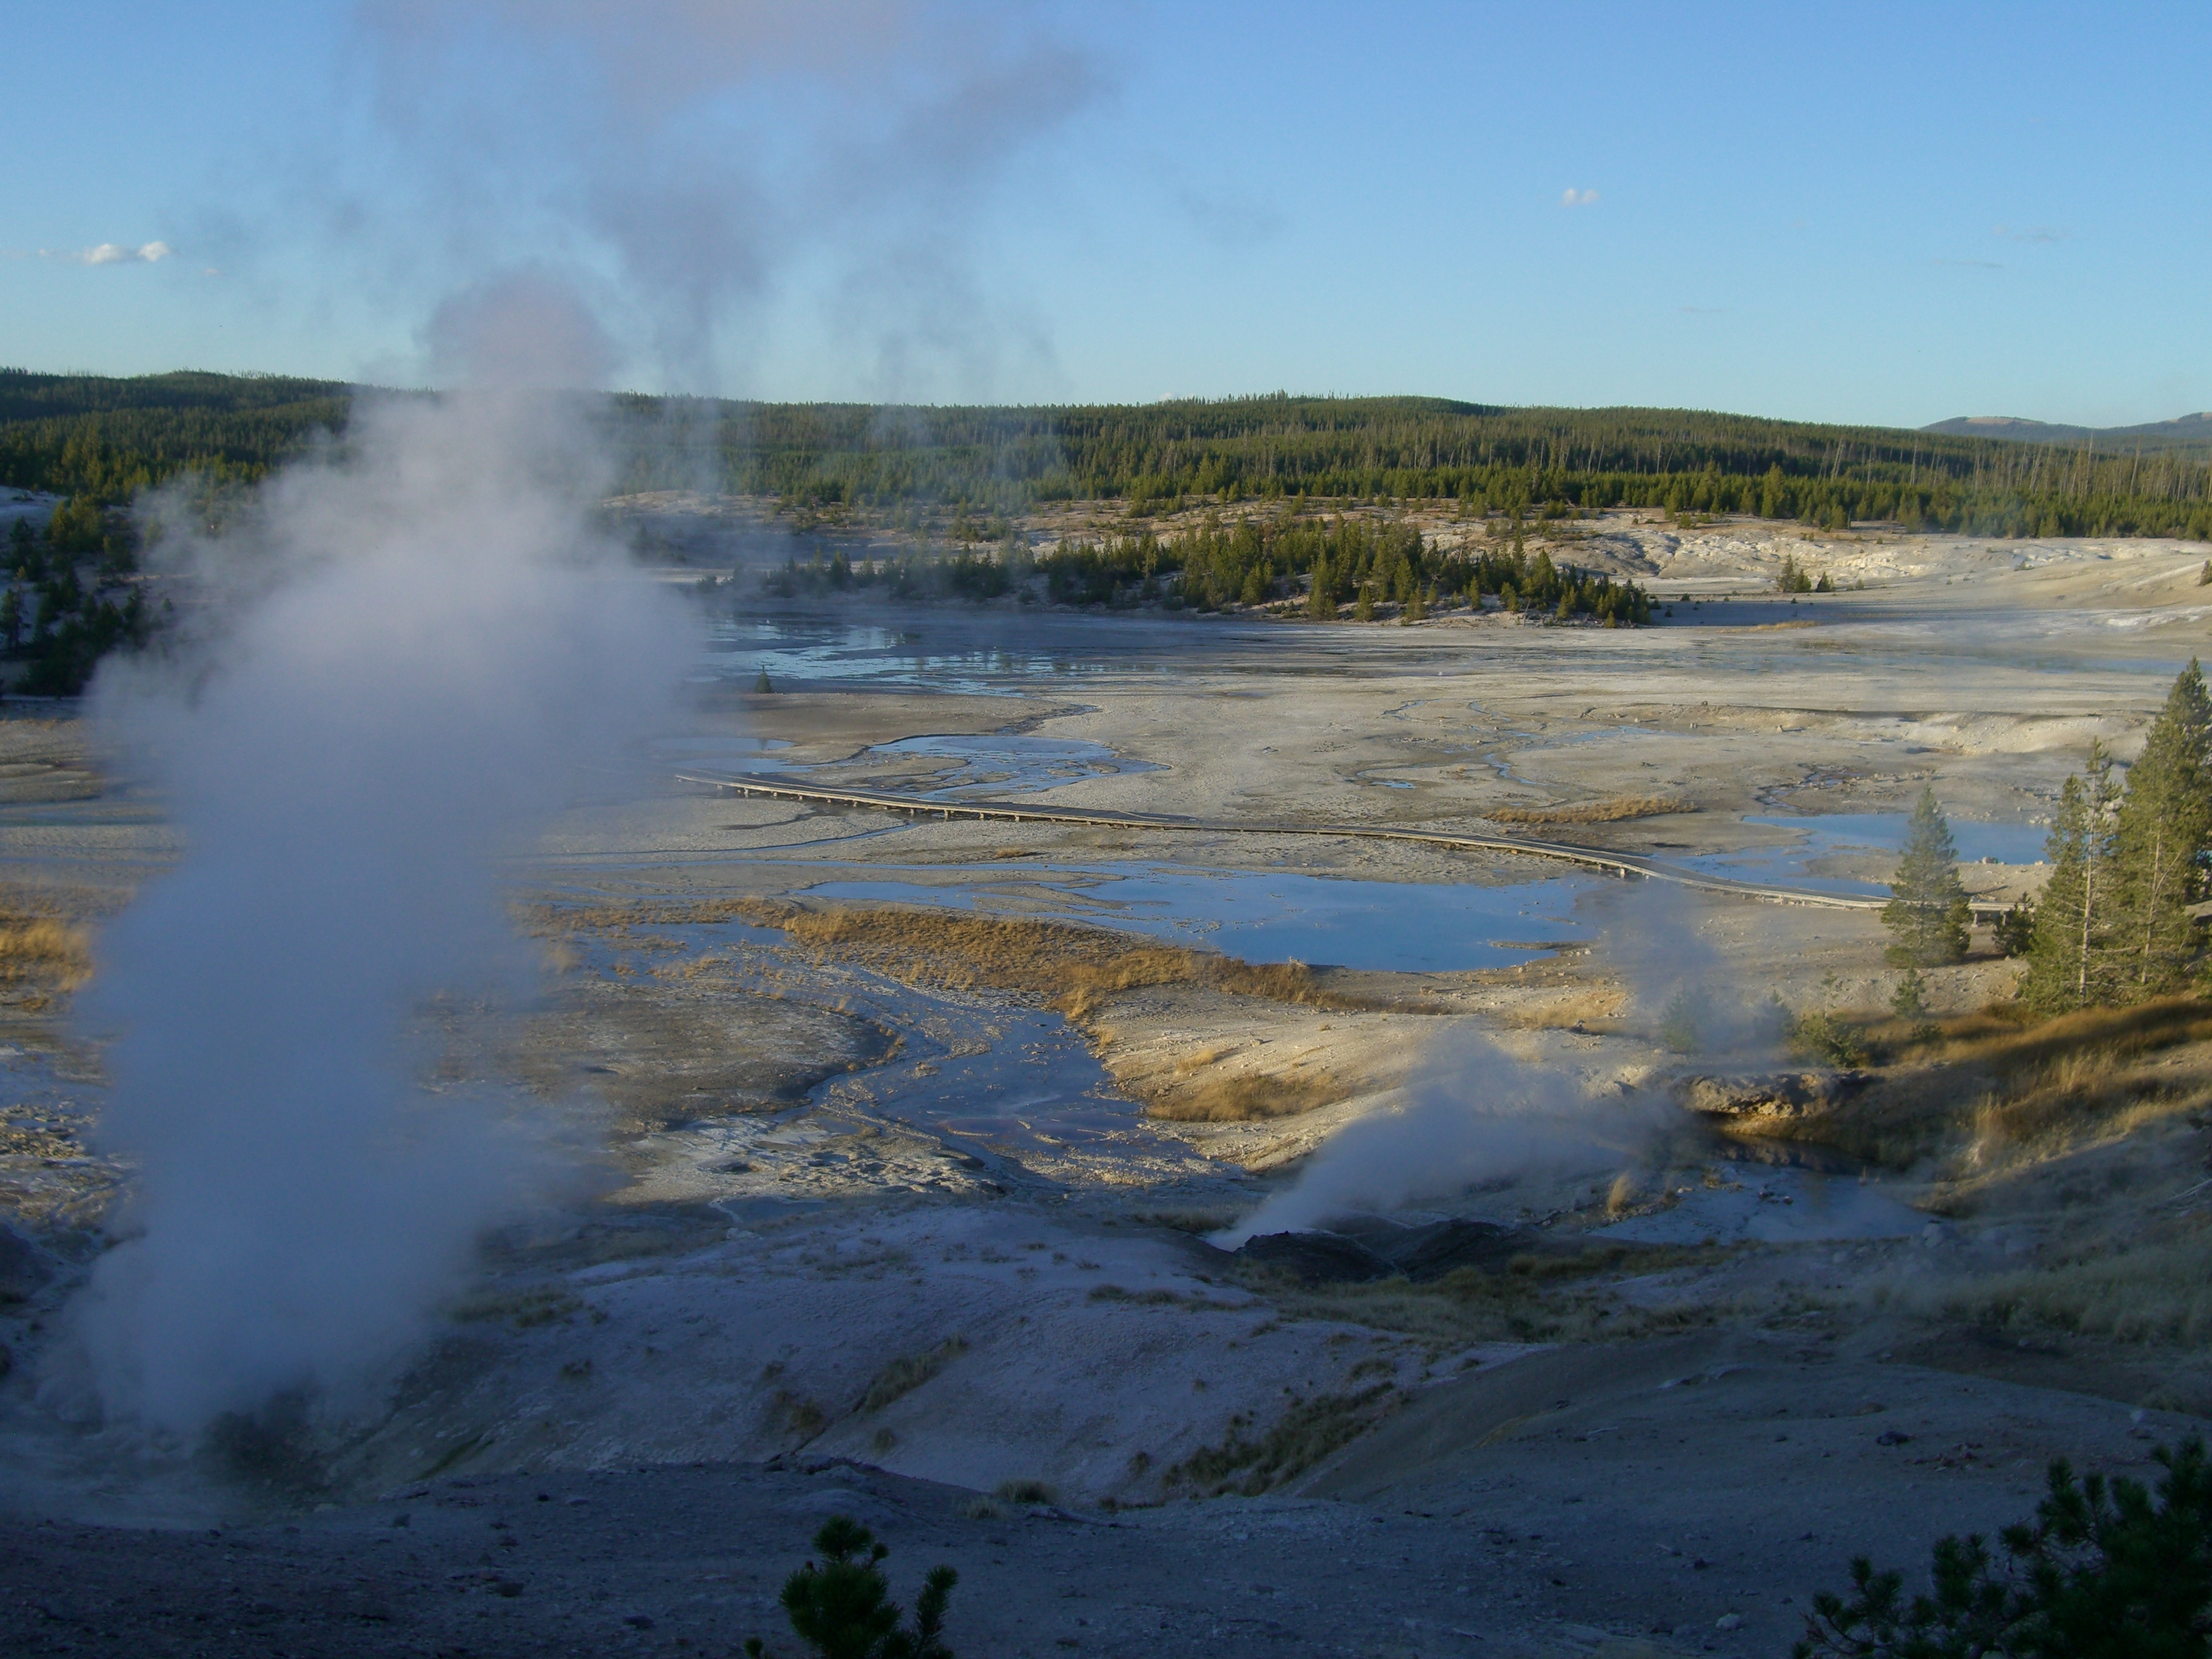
x=2189, y=431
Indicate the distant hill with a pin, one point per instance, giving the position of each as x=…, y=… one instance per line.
x=2190, y=432
x=107, y=441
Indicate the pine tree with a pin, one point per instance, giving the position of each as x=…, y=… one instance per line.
x=1928, y=913
x=841, y=1608
x=2160, y=838
x=2069, y=961
x=1321, y=603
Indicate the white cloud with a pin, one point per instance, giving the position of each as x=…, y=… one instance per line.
x=111, y=253
x=1578, y=197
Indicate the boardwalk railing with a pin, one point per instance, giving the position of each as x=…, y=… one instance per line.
x=1628, y=866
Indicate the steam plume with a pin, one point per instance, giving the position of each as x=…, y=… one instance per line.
x=1473, y=1114
x=433, y=638
x=684, y=155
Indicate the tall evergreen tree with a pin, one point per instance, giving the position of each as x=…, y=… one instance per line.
x=2160, y=840
x=2070, y=963
x=1928, y=913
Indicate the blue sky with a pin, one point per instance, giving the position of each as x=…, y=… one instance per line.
x=1878, y=213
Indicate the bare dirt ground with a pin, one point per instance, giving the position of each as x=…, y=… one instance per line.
x=900, y=1212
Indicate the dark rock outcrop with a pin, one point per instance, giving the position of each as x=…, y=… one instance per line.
x=1773, y=1095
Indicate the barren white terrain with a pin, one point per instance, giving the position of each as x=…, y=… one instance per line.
x=895, y=1210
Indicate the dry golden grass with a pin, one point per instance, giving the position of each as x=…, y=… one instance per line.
x=1073, y=969
x=1618, y=810
x=2005, y=1038
x=1996, y=1089
x=1576, y=1007
x=2158, y=1291
x=40, y=951
x=1246, y=1098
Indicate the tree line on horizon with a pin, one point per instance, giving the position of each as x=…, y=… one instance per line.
x=107, y=439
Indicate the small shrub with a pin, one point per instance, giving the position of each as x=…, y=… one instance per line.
x=1824, y=1035
x=841, y=1608
x=2106, y=1571
x=1910, y=999
x=1680, y=1027
x=1026, y=1491
x=982, y=1508
x=800, y=1416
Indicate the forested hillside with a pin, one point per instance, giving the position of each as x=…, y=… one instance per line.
x=105, y=438
x=87, y=435
x=1542, y=459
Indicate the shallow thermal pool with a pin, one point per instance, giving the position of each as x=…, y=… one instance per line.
x=1273, y=915
x=1830, y=834
x=938, y=650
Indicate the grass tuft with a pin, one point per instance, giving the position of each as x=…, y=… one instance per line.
x=38, y=949
x=904, y=1376
x=1309, y=1432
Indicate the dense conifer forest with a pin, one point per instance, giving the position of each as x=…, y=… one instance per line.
x=1323, y=564
x=105, y=438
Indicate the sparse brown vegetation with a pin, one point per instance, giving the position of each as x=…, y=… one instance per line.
x=1073, y=969
x=1993, y=1088
x=2155, y=1290
x=40, y=951
x=1551, y=1297
x=904, y=1376
x=535, y=1304
x=1617, y=809
x=1309, y=1432
x=799, y=1415
x=1247, y=1097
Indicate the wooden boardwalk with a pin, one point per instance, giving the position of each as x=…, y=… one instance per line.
x=1627, y=867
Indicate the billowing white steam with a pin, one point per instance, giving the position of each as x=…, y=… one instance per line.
x=1472, y=1115
x=435, y=640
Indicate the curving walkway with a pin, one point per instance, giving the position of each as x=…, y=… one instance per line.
x=1628, y=866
